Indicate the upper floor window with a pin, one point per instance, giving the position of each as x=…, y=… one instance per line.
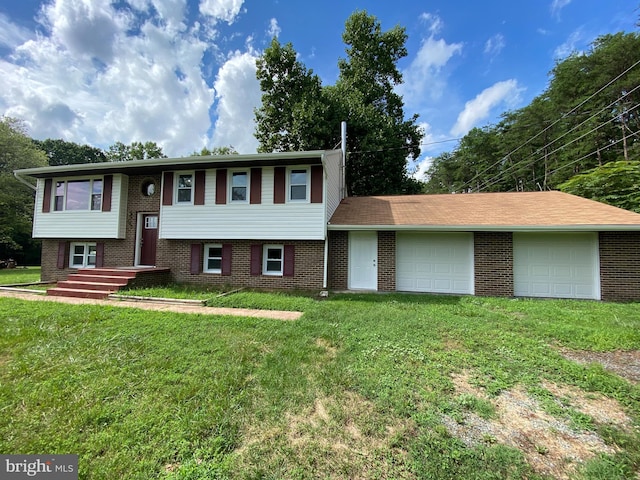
x=239, y=186
x=78, y=195
x=298, y=181
x=184, y=188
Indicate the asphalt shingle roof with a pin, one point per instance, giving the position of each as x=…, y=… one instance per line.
x=491, y=210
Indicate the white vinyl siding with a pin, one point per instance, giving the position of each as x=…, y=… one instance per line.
x=434, y=262
x=82, y=223
x=333, y=177
x=295, y=221
x=556, y=265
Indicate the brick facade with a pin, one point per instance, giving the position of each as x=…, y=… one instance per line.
x=493, y=263
x=338, y=260
x=620, y=266
x=308, y=264
x=386, y=261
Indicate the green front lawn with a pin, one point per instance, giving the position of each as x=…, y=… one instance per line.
x=362, y=386
x=12, y=276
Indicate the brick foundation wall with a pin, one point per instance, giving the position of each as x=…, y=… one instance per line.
x=308, y=270
x=493, y=263
x=620, y=266
x=338, y=260
x=386, y=261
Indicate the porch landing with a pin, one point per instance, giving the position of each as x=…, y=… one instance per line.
x=99, y=283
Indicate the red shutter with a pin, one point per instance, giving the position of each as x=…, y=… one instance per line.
x=46, y=198
x=221, y=186
x=167, y=189
x=226, y=259
x=256, y=259
x=196, y=258
x=256, y=186
x=99, y=254
x=289, y=260
x=198, y=197
x=63, y=255
x=279, y=185
x=107, y=188
x=316, y=184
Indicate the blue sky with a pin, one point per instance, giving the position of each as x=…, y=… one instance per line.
x=182, y=72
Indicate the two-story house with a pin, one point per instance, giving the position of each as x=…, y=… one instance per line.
x=283, y=221
x=255, y=220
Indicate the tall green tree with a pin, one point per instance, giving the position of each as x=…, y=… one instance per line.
x=294, y=114
x=298, y=113
x=17, y=151
x=61, y=152
x=205, y=152
x=119, y=152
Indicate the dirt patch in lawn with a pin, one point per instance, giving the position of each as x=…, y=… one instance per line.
x=335, y=438
x=550, y=445
x=625, y=363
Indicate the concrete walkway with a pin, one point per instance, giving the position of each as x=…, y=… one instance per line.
x=159, y=306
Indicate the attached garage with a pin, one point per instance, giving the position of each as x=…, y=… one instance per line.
x=434, y=262
x=556, y=265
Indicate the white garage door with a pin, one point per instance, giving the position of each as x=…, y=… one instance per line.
x=434, y=262
x=556, y=265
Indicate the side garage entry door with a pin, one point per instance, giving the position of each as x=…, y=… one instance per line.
x=434, y=262
x=556, y=265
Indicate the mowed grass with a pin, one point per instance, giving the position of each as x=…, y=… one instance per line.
x=12, y=276
x=357, y=388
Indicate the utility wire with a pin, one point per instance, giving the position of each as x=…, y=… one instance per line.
x=405, y=147
x=554, y=123
x=501, y=174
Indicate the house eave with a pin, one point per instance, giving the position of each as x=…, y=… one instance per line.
x=489, y=228
x=154, y=165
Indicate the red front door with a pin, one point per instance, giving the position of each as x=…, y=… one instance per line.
x=149, y=239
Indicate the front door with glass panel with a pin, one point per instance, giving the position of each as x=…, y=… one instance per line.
x=148, y=238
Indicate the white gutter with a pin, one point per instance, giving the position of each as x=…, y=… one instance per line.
x=489, y=228
x=23, y=181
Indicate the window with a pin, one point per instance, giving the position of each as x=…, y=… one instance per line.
x=272, y=260
x=298, y=185
x=239, y=183
x=82, y=255
x=184, y=188
x=148, y=187
x=78, y=195
x=213, y=258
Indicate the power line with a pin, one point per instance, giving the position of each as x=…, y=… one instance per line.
x=406, y=147
x=501, y=174
x=554, y=123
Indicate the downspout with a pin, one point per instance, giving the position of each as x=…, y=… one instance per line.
x=343, y=168
x=325, y=269
x=24, y=182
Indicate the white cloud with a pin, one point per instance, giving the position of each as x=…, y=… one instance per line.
x=225, y=10
x=131, y=87
x=425, y=70
x=12, y=35
x=274, y=29
x=238, y=94
x=570, y=45
x=557, y=6
x=494, y=45
x=502, y=93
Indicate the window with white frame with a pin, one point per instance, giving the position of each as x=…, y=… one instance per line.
x=76, y=195
x=82, y=255
x=239, y=186
x=298, y=184
x=212, y=258
x=272, y=260
x=184, y=188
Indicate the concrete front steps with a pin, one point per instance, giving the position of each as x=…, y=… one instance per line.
x=99, y=283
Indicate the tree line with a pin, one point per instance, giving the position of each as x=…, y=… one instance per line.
x=581, y=135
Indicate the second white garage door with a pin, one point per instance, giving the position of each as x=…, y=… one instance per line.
x=559, y=265
x=434, y=262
